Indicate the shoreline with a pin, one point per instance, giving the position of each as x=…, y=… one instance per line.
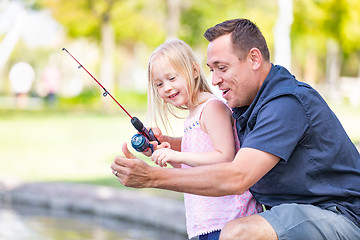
x=129, y=205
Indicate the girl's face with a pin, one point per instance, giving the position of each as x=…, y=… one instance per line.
x=170, y=85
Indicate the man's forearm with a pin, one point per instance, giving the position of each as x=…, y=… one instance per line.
x=211, y=180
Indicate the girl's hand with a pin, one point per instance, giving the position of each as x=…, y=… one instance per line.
x=162, y=145
x=157, y=133
x=165, y=155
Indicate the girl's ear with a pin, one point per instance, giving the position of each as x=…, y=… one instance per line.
x=255, y=58
x=196, y=71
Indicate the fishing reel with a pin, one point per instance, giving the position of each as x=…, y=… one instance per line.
x=141, y=141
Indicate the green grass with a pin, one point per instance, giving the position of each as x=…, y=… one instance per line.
x=67, y=146
x=79, y=146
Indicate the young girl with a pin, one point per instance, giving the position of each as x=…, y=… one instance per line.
x=176, y=80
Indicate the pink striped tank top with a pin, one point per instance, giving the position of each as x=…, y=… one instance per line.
x=207, y=214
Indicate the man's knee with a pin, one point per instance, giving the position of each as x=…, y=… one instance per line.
x=231, y=230
x=251, y=227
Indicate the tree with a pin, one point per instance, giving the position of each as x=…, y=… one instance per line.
x=109, y=23
x=325, y=31
x=282, y=33
x=173, y=18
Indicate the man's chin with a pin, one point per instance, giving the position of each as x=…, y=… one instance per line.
x=230, y=104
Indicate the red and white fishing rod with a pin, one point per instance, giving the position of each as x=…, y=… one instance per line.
x=138, y=143
x=105, y=91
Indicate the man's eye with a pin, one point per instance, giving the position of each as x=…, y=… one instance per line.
x=222, y=68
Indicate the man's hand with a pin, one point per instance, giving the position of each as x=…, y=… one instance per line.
x=127, y=152
x=131, y=171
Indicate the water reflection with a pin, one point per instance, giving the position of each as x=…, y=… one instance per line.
x=24, y=223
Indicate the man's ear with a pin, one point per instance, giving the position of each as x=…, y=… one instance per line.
x=255, y=58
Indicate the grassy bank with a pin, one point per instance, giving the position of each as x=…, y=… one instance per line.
x=61, y=146
x=80, y=146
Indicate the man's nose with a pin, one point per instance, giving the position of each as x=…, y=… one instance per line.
x=216, y=79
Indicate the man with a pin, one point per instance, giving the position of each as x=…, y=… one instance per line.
x=295, y=156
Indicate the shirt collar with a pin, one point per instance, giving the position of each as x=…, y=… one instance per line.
x=246, y=110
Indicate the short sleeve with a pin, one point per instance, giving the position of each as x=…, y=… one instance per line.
x=280, y=125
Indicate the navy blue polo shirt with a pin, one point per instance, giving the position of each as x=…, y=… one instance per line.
x=319, y=164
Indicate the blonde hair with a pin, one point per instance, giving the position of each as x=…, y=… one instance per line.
x=182, y=59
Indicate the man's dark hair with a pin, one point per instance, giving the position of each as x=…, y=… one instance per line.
x=244, y=34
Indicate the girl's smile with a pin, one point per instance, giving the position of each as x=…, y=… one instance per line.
x=173, y=95
x=170, y=85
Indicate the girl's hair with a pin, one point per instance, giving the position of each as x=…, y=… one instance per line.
x=182, y=59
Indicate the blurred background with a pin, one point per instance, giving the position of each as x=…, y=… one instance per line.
x=53, y=117
x=55, y=125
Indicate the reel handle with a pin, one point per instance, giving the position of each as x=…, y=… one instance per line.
x=138, y=125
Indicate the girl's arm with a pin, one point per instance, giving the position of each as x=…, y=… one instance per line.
x=216, y=120
x=175, y=142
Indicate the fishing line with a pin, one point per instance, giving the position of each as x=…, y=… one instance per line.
x=138, y=141
x=105, y=93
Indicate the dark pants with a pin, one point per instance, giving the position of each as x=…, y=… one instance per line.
x=210, y=236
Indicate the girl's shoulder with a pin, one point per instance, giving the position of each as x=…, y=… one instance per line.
x=214, y=103
x=215, y=114
x=213, y=107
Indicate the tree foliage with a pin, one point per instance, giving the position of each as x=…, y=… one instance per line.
x=316, y=21
x=199, y=15
x=132, y=21
x=143, y=21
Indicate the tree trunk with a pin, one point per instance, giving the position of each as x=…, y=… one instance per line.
x=172, y=18
x=10, y=40
x=333, y=66
x=282, y=34
x=107, y=61
x=310, y=69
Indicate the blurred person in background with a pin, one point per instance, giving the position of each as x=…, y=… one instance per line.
x=21, y=77
x=51, y=78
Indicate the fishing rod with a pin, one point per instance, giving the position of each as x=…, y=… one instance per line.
x=140, y=142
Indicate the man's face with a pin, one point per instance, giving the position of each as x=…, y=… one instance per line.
x=233, y=77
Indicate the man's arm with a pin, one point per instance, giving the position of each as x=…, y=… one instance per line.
x=220, y=179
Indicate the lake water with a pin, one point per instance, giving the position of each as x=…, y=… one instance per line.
x=26, y=223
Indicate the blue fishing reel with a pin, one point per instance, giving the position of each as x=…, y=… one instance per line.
x=140, y=143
